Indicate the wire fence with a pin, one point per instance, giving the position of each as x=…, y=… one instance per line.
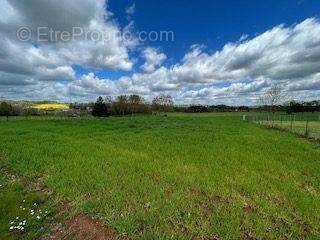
x=307, y=125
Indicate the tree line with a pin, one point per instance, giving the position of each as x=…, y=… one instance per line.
x=295, y=107
x=131, y=104
x=135, y=104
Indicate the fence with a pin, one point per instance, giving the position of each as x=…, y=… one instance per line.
x=307, y=125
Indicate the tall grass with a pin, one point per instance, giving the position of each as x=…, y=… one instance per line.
x=307, y=124
x=176, y=177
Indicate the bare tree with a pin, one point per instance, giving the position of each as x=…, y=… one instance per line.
x=121, y=104
x=135, y=102
x=108, y=100
x=162, y=103
x=272, y=97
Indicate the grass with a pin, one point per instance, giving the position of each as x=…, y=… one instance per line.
x=24, y=212
x=298, y=127
x=183, y=176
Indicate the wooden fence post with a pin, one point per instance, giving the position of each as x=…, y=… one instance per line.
x=273, y=120
x=307, y=130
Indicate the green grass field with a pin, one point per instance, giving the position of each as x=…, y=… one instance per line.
x=298, y=127
x=176, y=177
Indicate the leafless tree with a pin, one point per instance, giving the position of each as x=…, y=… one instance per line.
x=162, y=103
x=108, y=100
x=135, y=102
x=273, y=97
x=121, y=104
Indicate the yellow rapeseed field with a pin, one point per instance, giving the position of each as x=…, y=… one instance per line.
x=52, y=106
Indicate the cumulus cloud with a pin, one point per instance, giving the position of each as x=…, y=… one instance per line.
x=52, y=58
x=285, y=55
x=153, y=59
x=236, y=74
x=280, y=54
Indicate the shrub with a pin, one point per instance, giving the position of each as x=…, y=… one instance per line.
x=6, y=109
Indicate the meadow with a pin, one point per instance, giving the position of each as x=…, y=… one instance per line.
x=185, y=176
x=305, y=124
x=299, y=127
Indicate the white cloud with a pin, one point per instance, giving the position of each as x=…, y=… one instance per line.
x=131, y=9
x=153, y=59
x=236, y=74
x=284, y=55
x=90, y=84
x=48, y=57
x=280, y=54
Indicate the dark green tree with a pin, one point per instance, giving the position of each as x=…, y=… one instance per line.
x=6, y=109
x=100, y=108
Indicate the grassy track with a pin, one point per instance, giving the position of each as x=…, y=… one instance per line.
x=180, y=177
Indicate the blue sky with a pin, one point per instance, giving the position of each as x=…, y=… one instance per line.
x=206, y=63
x=211, y=22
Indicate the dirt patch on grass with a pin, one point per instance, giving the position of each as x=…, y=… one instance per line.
x=79, y=227
x=247, y=233
x=82, y=227
x=8, y=173
x=198, y=192
x=248, y=208
x=217, y=198
x=179, y=227
x=206, y=208
x=249, y=238
x=64, y=208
